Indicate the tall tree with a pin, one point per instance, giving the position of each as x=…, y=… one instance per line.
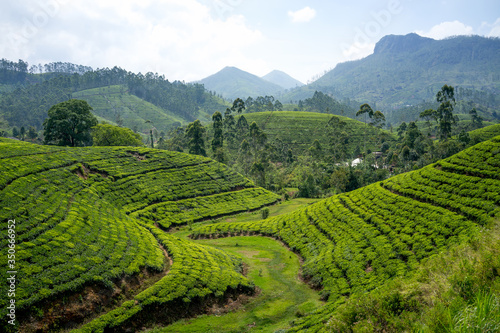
x=476, y=120
x=218, y=140
x=69, y=124
x=32, y=134
x=366, y=110
x=378, y=119
x=242, y=126
x=22, y=132
x=230, y=127
x=446, y=97
x=238, y=106
x=195, y=132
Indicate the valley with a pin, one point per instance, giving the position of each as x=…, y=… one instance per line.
x=365, y=201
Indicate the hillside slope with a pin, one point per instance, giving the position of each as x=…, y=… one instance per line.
x=114, y=103
x=298, y=130
x=404, y=70
x=87, y=225
x=357, y=241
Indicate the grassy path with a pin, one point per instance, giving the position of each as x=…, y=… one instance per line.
x=273, y=269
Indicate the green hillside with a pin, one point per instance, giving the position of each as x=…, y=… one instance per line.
x=355, y=242
x=408, y=69
x=114, y=103
x=87, y=235
x=117, y=95
x=299, y=129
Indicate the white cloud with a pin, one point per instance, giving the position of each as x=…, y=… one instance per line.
x=303, y=15
x=357, y=50
x=447, y=29
x=179, y=38
x=491, y=30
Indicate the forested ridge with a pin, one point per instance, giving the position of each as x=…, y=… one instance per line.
x=28, y=103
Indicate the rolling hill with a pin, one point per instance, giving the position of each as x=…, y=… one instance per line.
x=405, y=70
x=88, y=239
x=355, y=242
x=232, y=83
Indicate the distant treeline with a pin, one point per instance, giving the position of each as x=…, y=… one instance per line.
x=28, y=104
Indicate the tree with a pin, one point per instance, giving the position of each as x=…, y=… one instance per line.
x=378, y=119
x=110, y=135
x=412, y=133
x=32, y=134
x=445, y=111
x=22, y=132
x=242, y=126
x=218, y=140
x=238, y=105
x=339, y=139
x=69, y=124
x=258, y=138
x=428, y=115
x=15, y=132
x=477, y=120
x=229, y=125
x=278, y=106
x=366, y=110
x=402, y=130
x=195, y=132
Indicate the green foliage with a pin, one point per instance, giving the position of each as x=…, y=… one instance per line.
x=264, y=212
x=110, y=135
x=404, y=70
x=357, y=241
x=69, y=124
x=85, y=218
x=194, y=132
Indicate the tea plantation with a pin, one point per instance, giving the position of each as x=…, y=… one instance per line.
x=357, y=241
x=90, y=217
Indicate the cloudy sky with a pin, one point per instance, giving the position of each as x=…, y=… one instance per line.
x=191, y=39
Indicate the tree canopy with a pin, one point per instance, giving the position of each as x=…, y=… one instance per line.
x=110, y=135
x=69, y=124
x=195, y=132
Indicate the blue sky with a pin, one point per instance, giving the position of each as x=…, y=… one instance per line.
x=191, y=39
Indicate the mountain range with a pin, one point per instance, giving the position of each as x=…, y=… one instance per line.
x=231, y=83
x=403, y=70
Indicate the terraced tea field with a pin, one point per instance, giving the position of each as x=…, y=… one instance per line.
x=89, y=217
x=93, y=252
x=355, y=242
x=299, y=129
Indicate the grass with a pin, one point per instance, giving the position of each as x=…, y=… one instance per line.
x=274, y=270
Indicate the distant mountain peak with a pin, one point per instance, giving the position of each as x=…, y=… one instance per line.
x=282, y=79
x=399, y=44
x=232, y=82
